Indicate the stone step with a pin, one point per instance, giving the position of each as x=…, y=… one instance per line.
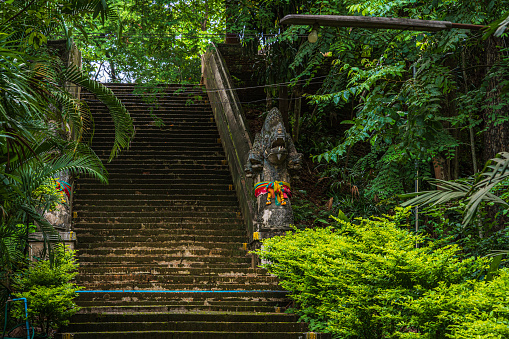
x=170, y=280
x=140, y=187
x=275, y=300
x=185, y=178
x=151, y=125
x=188, y=316
x=210, y=143
x=115, y=86
x=163, y=207
x=87, y=214
x=147, y=97
x=245, y=263
x=202, y=271
x=189, y=225
x=92, y=203
x=160, y=145
x=169, y=155
x=160, y=244
x=153, y=111
x=167, y=260
x=177, y=131
x=92, y=239
x=150, y=286
x=184, y=305
x=161, y=168
x=170, y=194
x=168, y=117
x=188, y=97
x=187, y=100
x=170, y=147
x=150, y=134
x=198, y=221
x=182, y=251
x=167, y=101
x=192, y=334
x=163, y=164
x=142, y=232
x=178, y=113
x=179, y=225
x=191, y=326
x=128, y=195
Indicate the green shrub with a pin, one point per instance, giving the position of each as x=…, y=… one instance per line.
x=49, y=290
x=370, y=281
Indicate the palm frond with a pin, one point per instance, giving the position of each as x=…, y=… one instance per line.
x=479, y=191
x=448, y=191
x=124, y=129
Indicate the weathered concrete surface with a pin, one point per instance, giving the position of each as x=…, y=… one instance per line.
x=233, y=129
x=273, y=159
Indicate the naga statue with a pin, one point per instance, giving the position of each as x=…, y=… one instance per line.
x=272, y=161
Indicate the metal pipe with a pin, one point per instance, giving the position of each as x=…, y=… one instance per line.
x=26, y=315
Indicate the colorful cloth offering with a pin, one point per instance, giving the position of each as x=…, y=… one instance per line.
x=63, y=186
x=279, y=189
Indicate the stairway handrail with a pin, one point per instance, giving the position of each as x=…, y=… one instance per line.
x=232, y=125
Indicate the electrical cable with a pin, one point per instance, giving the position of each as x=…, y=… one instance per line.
x=226, y=102
x=175, y=35
x=229, y=89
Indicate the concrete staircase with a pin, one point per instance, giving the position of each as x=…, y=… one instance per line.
x=161, y=247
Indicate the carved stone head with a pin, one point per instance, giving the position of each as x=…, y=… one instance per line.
x=276, y=150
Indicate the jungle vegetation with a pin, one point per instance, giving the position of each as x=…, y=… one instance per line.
x=394, y=108
x=44, y=134
x=398, y=111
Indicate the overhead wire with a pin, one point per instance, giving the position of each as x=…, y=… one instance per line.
x=224, y=88
x=229, y=89
x=226, y=102
x=115, y=35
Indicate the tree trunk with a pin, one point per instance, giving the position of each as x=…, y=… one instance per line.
x=284, y=105
x=496, y=137
x=441, y=168
x=113, y=72
x=268, y=101
x=205, y=17
x=296, y=125
x=471, y=128
x=231, y=37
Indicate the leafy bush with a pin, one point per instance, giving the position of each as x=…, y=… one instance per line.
x=49, y=290
x=371, y=281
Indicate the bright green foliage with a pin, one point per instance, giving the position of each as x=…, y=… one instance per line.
x=49, y=290
x=473, y=309
x=378, y=280
x=153, y=41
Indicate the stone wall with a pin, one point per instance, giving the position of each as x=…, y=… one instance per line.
x=232, y=126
